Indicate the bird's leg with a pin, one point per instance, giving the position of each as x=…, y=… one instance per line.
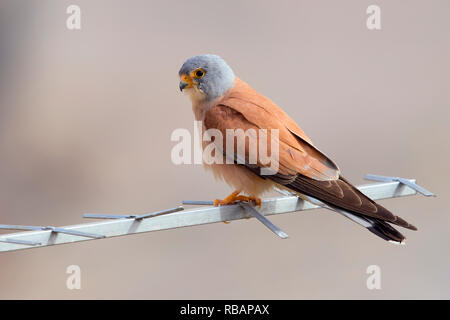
x=233, y=197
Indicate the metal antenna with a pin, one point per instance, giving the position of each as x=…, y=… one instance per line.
x=407, y=182
x=122, y=225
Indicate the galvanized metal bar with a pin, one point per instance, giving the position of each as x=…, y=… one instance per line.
x=76, y=232
x=264, y=220
x=191, y=217
x=18, y=241
x=405, y=181
x=53, y=229
x=198, y=202
x=252, y=211
x=107, y=216
x=159, y=213
x=131, y=216
x=19, y=227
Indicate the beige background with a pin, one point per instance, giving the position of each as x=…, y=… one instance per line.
x=86, y=118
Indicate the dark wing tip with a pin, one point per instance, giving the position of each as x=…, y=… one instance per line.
x=403, y=223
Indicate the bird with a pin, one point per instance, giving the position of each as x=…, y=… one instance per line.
x=221, y=101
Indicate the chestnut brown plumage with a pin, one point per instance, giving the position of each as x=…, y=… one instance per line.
x=302, y=168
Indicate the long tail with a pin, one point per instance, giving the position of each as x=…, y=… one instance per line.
x=378, y=227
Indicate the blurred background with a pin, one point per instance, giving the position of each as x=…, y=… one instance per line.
x=85, y=123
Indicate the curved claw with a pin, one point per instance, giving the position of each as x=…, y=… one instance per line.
x=234, y=197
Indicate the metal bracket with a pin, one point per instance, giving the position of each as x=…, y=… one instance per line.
x=406, y=182
x=131, y=216
x=250, y=209
x=17, y=241
x=264, y=220
x=46, y=228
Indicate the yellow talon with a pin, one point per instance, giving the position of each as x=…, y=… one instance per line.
x=257, y=201
x=234, y=197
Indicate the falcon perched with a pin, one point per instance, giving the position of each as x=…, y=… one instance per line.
x=223, y=102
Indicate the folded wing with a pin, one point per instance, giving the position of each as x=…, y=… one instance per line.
x=302, y=167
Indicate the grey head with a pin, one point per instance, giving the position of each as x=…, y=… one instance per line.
x=206, y=74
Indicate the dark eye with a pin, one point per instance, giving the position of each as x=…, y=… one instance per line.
x=198, y=73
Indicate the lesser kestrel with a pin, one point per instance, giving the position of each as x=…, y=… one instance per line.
x=222, y=101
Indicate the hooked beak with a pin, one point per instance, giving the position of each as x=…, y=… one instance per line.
x=183, y=85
